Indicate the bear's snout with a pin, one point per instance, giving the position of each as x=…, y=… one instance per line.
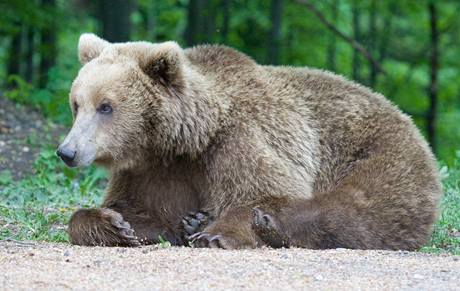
x=67, y=155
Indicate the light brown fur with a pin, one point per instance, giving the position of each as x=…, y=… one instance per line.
x=274, y=154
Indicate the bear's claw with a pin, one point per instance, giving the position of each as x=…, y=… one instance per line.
x=194, y=222
x=266, y=227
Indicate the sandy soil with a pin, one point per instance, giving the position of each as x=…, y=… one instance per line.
x=61, y=266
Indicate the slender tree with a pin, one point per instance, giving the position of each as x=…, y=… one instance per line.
x=372, y=41
x=14, y=55
x=434, y=68
x=331, y=62
x=152, y=21
x=115, y=18
x=209, y=23
x=29, y=54
x=356, y=67
x=225, y=20
x=193, y=31
x=274, y=40
x=48, y=43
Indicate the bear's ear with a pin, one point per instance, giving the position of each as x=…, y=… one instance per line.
x=165, y=63
x=90, y=46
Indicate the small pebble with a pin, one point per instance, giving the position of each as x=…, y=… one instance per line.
x=25, y=149
x=319, y=278
x=417, y=276
x=66, y=253
x=284, y=256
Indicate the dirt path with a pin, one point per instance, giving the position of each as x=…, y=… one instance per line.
x=23, y=131
x=61, y=266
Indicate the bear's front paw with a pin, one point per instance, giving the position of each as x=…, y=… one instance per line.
x=101, y=227
x=268, y=230
x=194, y=222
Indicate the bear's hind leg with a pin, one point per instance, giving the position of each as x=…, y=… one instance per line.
x=313, y=224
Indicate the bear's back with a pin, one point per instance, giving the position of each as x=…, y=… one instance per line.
x=350, y=121
x=219, y=59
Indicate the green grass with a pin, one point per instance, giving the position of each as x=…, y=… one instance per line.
x=39, y=206
x=446, y=235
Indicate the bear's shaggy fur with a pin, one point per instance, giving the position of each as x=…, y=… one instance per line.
x=276, y=156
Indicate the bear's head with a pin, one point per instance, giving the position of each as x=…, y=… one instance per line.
x=133, y=101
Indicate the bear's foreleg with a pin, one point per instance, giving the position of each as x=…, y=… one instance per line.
x=100, y=227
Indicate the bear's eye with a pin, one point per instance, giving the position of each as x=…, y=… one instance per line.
x=105, y=108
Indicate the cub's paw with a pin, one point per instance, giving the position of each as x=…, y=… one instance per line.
x=214, y=241
x=194, y=222
x=268, y=230
x=101, y=227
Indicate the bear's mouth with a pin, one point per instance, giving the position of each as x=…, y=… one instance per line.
x=104, y=161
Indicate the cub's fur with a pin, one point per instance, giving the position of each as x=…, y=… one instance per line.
x=276, y=156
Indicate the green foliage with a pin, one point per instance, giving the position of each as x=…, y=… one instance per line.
x=20, y=91
x=163, y=243
x=5, y=177
x=446, y=235
x=52, y=100
x=39, y=206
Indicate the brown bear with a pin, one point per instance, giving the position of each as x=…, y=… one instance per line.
x=205, y=145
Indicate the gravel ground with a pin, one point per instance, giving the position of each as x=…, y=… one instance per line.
x=28, y=265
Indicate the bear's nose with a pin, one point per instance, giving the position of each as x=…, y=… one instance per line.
x=67, y=155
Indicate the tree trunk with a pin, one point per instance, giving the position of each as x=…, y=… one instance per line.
x=225, y=19
x=48, y=44
x=275, y=32
x=385, y=37
x=152, y=21
x=209, y=23
x=192, y=33
x=434, y=68
x=356, y=67
x=372, y=42
x=14, y=55
x=115, y=17
x=30, y=49
x=332, y=44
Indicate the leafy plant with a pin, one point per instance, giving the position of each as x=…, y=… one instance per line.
x=39, y=206
x=20, y=90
